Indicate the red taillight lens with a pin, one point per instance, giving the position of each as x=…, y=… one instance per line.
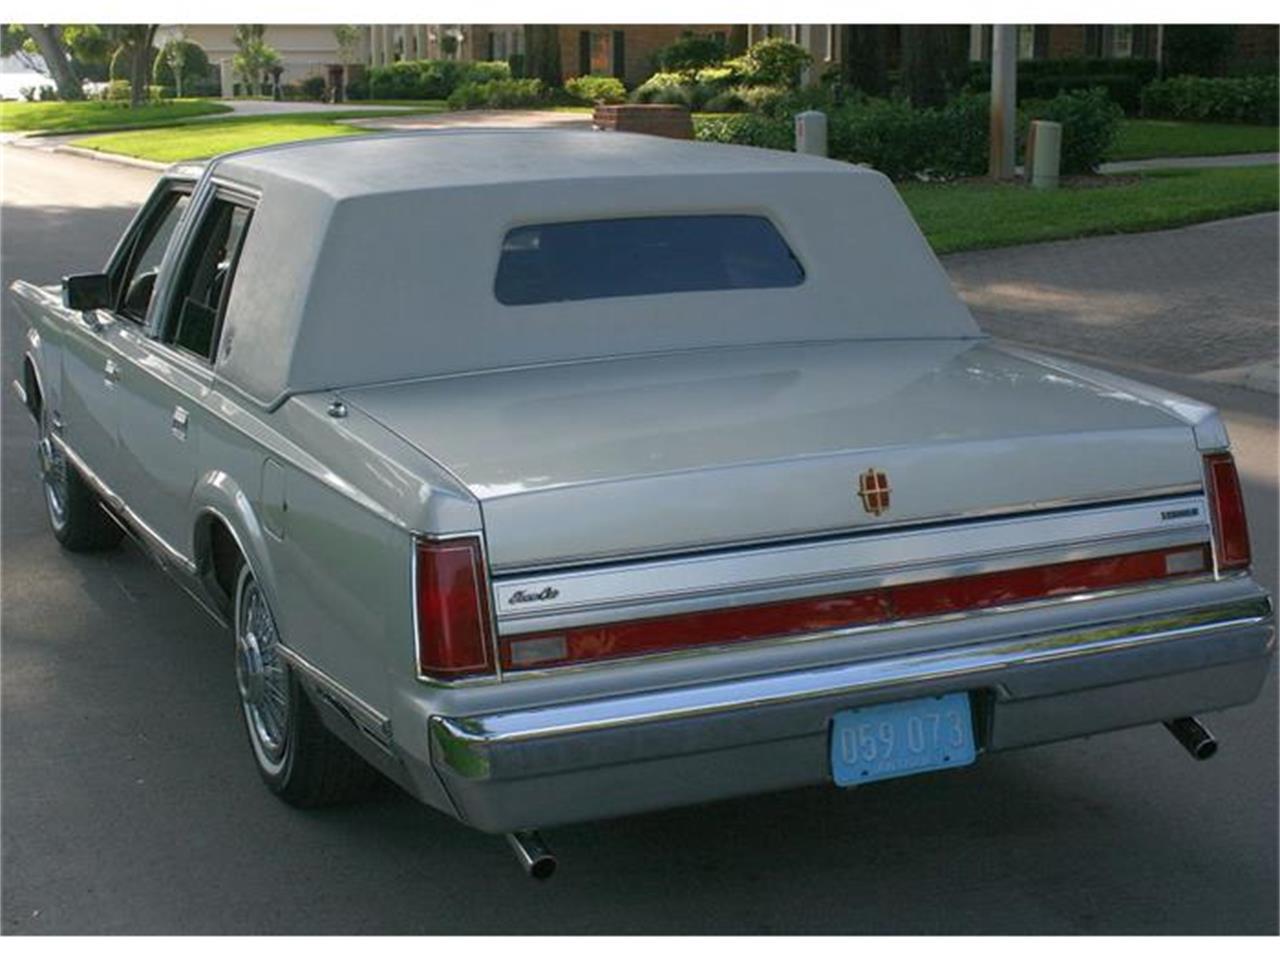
x=453, y=609
x=1226, y=504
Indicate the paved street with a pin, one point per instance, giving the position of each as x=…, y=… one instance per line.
x=129, y=803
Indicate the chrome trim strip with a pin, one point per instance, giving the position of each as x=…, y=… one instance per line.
x=21, y=391
x=824, y=566
x=167, y=553
x=371, y=721
x=978, y=661
x=882, y=526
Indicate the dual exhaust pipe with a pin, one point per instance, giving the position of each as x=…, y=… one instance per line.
x=540, y=863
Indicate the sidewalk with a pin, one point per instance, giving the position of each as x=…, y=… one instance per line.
x=1195, y=163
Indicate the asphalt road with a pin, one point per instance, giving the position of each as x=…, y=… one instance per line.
x=129, y=803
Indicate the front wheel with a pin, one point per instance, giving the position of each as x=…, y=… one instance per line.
x=79, y=523
x=297, y=757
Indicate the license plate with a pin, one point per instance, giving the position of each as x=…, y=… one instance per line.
x=899, y=739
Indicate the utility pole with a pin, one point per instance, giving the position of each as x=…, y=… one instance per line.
x=1004, y=112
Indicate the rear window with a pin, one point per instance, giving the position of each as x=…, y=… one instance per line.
x=594, y=259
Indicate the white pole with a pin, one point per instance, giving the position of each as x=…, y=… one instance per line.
x=1004, y=85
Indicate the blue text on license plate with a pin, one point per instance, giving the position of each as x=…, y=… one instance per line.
x=899, y=739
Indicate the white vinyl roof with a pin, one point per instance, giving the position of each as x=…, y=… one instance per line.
x=373, y=258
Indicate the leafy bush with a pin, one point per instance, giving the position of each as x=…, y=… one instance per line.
x=195, y=65
x=674, y=88
x=593, y=89
x=313, y=88
x=1045, y=79
x=773, y=62
x=748, y=129
x=689, y=54
x=424, y=79
x=497, y=94
x=1089, y=121
x=116, y=90
x=1231, y=99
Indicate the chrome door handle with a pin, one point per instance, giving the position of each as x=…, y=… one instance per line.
x=179, y=423
x=111, y=373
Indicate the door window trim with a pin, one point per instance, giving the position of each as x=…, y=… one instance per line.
x=140, y=229
x=161, y=318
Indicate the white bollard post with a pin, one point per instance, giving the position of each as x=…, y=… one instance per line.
x=811, y=133
x=1046, y=159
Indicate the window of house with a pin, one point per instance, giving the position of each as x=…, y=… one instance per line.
x=204, y=280
x=1026, y=42
x=138, y=281
x=1122, y=40
x=637, y=256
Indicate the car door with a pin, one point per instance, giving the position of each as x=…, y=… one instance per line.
x=170, y=369
x=91, y=362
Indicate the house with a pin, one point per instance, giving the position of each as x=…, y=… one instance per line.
x=306, y=50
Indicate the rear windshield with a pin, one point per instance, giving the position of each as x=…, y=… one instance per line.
x=593, y=259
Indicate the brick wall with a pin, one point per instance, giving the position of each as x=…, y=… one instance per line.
x=1066, y=40
x=639, y=45
x=1257, y=42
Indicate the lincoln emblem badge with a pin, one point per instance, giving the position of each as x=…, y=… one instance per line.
x=873, y=490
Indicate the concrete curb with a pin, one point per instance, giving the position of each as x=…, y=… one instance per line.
x=1263, y=377
x=111, y=158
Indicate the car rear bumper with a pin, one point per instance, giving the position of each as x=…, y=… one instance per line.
x=596, y=758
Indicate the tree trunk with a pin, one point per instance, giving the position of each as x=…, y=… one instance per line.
x=864, y=58
x=934, y=61
x=542, y=53
x=141, y=55
x=49, y=41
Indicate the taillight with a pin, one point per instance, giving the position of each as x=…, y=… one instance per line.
x=454, y=637
x=1226, y=504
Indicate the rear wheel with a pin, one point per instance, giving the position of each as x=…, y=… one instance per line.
x=78, y=520
x=298, y=758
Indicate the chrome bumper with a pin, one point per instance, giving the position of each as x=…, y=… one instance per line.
x=622, y=754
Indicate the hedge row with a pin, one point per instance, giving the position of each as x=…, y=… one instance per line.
x=424, y=79
x=1228, y=99
x=946, y=142
x=497, y=94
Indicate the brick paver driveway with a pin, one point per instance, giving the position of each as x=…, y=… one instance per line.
x=1197, y=300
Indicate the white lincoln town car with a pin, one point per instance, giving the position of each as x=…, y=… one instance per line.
x=559, y=476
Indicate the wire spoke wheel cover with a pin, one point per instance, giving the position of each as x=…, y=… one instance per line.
x=53, y=475
x=261, y=675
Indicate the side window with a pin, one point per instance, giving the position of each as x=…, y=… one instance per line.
x=205, y=277
x=139, y=279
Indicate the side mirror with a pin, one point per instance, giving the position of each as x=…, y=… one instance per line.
x=86, y=291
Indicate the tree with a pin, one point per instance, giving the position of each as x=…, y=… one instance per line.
x=174, y=54
x=934, y=62
x=348, y=36
x=864, y=58
x=254, y=56
x=135, y=45
x=542, y=53
x=48, y=41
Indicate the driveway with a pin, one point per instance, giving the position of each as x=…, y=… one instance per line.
x=128, y=801
x=1199, y=301
x=559, y=119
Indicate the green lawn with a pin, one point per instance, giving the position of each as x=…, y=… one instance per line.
x=198, y=140
x=1141, y=139
x=974, y=215
x=86, y=115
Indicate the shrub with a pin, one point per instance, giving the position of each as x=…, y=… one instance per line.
x=689, y=54
x=497, y=94
x=424, y=79
x=593, y=89
x=773, y=62
x=195, y=66
x=748, y=129
x=1045, y=79
x=721, y=76
x=116, y=90
x=313, y=88
x=1089, y=121
x=772, y=101
x=1230, y=99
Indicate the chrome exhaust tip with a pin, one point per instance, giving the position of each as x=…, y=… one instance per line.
x=535, y=859
x=1193, y=736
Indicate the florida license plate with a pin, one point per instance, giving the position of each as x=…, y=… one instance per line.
x=899, y=739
